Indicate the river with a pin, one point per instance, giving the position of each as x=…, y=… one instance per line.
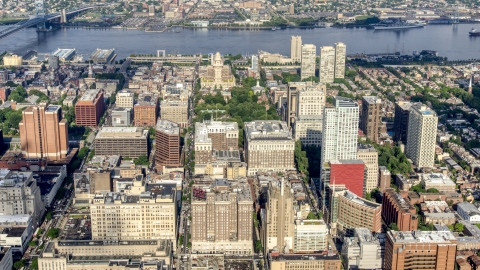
x=451, y=41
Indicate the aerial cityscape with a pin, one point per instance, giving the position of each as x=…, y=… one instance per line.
x=249, y=135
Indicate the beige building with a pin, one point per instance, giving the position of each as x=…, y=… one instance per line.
x=309, y=58
x=422, y=134
x=175, y=111
x=214, y=135
x=269, y=146
x=12, y=60
x=296, y=49
x=142, y=211
x=317, y=261
x=309, y=114
x=370, y=119
x=310, y=235
x=327, y=64
x=129, y=142
x=217, y=74
x=278, y=226
x=124, y=99
x=222, y=218
x=340, y=56
x=145, y=254
x=20, y=195
x=43, y=132
x=369, y=155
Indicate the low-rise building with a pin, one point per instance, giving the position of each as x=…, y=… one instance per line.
x=6, y=259
x=327, y=260
x=310, y=236
x=129, y=142
x=364, y=250
x=146, y=110
x=122, y=117
x=438, y=181
x=469, y=212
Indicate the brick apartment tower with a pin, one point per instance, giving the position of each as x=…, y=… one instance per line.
x=43, y=132
x=370, y=119
x=384, y=178
x=167, y=148
x=146, y=110
x=90, y=108
x=420, y=250
x=395, y=209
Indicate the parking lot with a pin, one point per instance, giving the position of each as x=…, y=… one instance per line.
x=238, y=265
x=78, y=227
x=212, y=262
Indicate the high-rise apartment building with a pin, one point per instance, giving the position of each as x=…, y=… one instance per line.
x=384, y=178
x=144, y=211
x=129, y=142
x=422, y=134
x=354, y=212
x=255, y=62
x=369, y=155
x=167, y=146
x=296, y=49
x=20, y=195
x=370, y=120
x=43, y=132
x=400, y=124
x=146, y=110
x=309, y=56
x=222, y=218
x=395, y=209
x=90, y=108
x=175, y=111
x=279, y=227
x=339, y=132
x=309, y=113
x=124, y=99
x=420, y=250
x=340, y=56
x=326, y=71
x=269, y=146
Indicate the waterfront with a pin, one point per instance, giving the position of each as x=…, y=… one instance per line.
x=451, y=41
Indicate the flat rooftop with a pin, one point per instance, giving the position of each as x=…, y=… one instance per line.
x=168, y=127
x=101, y=53
x=305, y=257
x=267, y=130
x=147, y=99
x=437, y=179
x=372, y=100
x=121, y=132
x=63, y=52
x=110, y=243
x=354, y=198
x=421, y=236
x=90, y=95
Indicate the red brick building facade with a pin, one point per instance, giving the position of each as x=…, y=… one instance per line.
x=396, y=209
x=90, y=108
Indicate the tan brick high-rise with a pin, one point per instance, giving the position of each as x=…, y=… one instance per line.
x=43, y=132
x=90, y=108
x=371, y=117
x=146, y=110
x=420, y=250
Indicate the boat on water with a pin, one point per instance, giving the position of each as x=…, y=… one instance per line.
x=396, y=26
x=275, y=28
x=474, y=33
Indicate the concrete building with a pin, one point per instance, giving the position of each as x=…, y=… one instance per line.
x=269, y=146
x=369, y=155
x=364, y=250
x=53, y=62
x=395, y=209
x=254, y=63
x=144, y=254
x=384, y=178
x=339, y=133
x=422, y=134
x=141, y=212
x=327, y=64
x=12, y=60
x=309, y=56
x=278, y=226
x=310, y=236
x=400, y=124
x=43, y=132
x=309, y=113
x=65, y=55
x=327, y=260
x=354, y=212
x=217, y=75
x=90, y=108
x=122, y=117
x=307, y=95
x=175, y=111
x=420, y=250
x=17, y=238
x=370, y=119
x=124, y=99
x=167, y=146
x=103, y=56
x=296, y=49
x=438, y=181
x=129, y=142
x=469, y=212
x=350, y=173
x=146, y=110
x=222, y=218
x=20, y=195
x=6, y=259
x=340, y=57
x=89, y=182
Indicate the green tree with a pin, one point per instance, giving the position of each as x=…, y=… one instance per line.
x=311, y=215
x=53, y=233
x=393, y=226
x=41, y=96
x=258, y=245
x=18, y=94
x=19, y=264
x=141, y=160
x=34, y=264
x=432, y=190
x=48, y=216
x=33, y=243
x=83, y=152
x=459, y=227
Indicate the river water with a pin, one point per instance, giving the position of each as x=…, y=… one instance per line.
x=451, y=41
